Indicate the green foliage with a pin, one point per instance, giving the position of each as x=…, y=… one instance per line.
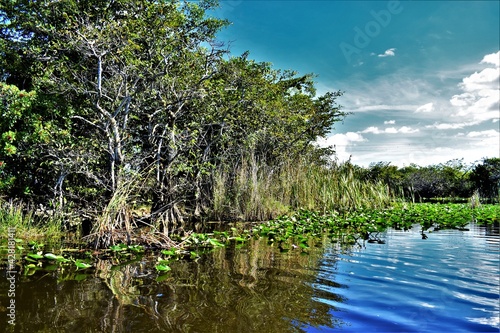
x=82, y=264
x=448, y=181
x=162, y=268
x=252, y=191
x=37, y=260
x=15, y=129
x=304, y=225
x=26, y=224
x=486, y=178
x=148, y=94
x=487, y=214
x=111, y=105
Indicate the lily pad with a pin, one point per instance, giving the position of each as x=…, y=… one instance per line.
x=82, y=265
x=162, y=268
x=35, y=255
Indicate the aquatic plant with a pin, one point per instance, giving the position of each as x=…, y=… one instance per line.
x=296, y=231
x=253, y=191
x=23, y=218
x=487, y=214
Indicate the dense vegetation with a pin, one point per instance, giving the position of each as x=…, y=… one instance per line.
x=127, y=113
x=450, y=180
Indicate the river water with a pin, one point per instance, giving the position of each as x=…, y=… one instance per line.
x=448, y=282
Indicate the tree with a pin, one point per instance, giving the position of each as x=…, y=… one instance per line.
x=486, y=177
x=144, y=106
x=127, y=69
x=389, y=174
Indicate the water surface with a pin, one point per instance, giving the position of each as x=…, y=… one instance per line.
x=447, y=282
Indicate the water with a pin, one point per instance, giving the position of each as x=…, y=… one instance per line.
x=448, y=282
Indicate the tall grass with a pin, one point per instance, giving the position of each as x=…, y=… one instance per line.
x=27, y=222
x=115, y=221
x=255, y=191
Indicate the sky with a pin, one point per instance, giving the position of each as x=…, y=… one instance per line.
x=421, y=78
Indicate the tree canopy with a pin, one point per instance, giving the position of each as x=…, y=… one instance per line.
x=138, y=99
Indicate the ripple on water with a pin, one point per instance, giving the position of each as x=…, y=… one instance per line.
x=446, y=282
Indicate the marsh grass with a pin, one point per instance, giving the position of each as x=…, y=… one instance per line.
x=475, y=200
x=116, y=223
x=23, y=218
x=255, y=191
x=115, y=217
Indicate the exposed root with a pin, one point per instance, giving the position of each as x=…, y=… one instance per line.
x=154, y=239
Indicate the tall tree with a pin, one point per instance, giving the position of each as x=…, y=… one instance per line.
x=145, y=104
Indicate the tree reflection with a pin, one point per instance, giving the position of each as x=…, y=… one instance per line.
x=252, y=289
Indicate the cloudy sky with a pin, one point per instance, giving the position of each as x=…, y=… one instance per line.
x=421, y=78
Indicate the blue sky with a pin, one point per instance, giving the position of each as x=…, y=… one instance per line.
x=421, y=78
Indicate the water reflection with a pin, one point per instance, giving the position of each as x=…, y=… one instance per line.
x=252, y=289
x=447, y=282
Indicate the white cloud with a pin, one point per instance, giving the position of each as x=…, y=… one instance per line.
x=435, y=106
x=388, y=53
x=383, y=107
x=408, y=130
x=445, y=126
x=486, y=134
x=479, y=101
x=493, y=58
x=390, y=130
x=462, y=99
x=485, y=79
x=393, y=92
x=341, y=143
x=340, y=139
x=429, y=107
x=372, y=129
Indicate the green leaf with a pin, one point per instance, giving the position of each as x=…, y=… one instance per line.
x=52, y=256
x=215, y=243
x=162, y=278
x=162, y=268
x=171, y=252
x=119, y=247
x=35, y=255
x=82, y=265
x=30, y=269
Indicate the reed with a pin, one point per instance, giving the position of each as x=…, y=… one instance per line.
x=475, y=200
x=114, y=223
x=255, y=191
x=28, y=222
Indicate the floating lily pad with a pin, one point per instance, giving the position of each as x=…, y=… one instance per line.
x=35, y=255
x=82, y=265
x=162, y=268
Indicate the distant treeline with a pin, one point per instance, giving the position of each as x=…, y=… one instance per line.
x=453, y=179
